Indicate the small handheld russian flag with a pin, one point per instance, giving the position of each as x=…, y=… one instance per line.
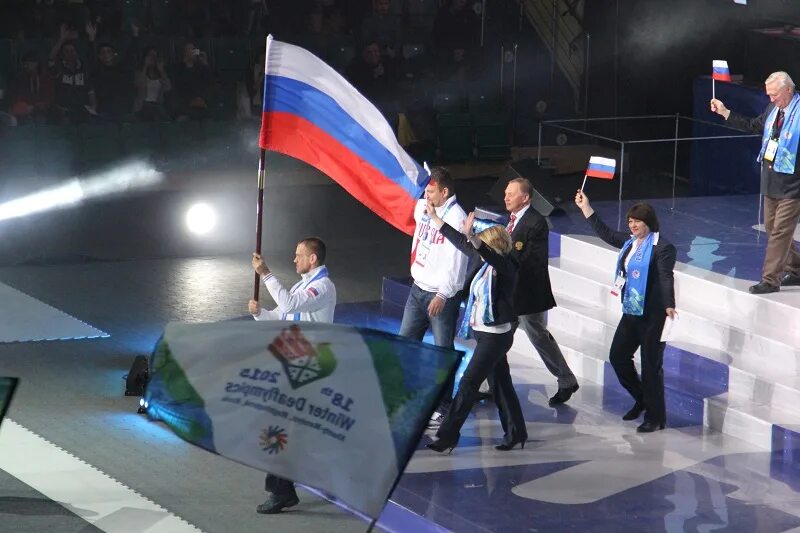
x=600, y=167
x=719, y=70
x=485, y=218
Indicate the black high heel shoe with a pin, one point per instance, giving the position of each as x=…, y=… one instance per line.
x=442, y=445
x=634, y=413
x=506, y=446
x=649, y=427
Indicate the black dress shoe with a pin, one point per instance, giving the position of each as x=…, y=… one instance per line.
x=634, y=413
x=506, y=446
x=275, y=503
x=790, y=281
x=443, y=445
x=649, y=427
x=562, y=395
x=764, y=288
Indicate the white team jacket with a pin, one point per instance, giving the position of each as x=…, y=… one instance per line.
x=312, y=299
x=436, y=265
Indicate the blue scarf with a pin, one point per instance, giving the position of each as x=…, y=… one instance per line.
x=302, y=284
x=488, y=315
x=788, y=137
x=636, y=279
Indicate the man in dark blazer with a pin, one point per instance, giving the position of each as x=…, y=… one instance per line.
x=533, y=296
x=779, y=125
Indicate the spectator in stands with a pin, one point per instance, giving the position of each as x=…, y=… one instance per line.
x=334, y=27
x=456, y=68
x=74, y=98
x=192, y=83
x=32, y=94
x=112, y=78
x=456, y=25
x=383, y=27
x=312, y=38
x=250, y=91
x=152, y=83
x=372, y=73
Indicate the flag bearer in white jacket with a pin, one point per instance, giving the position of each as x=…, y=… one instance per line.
x=312, y=299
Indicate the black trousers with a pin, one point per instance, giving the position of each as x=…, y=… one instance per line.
x=488, y=362
x=277, y=485
x=645, y=332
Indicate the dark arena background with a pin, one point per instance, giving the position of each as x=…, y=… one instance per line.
x=128, y=188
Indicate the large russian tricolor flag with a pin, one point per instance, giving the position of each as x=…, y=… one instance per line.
x=719, y=70
x=601, y=167
x=313, y=114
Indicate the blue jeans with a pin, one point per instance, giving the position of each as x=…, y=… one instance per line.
x=416, y=322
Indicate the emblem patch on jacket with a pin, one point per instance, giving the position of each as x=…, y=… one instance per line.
x=518, y=245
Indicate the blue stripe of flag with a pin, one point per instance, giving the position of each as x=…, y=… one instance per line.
x=286, y=95
x=601, y=168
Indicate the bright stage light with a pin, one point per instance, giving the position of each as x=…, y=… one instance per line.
x=201, y=218
x=118, y=180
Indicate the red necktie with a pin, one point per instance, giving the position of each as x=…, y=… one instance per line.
x=511, y=223
x=776, y=130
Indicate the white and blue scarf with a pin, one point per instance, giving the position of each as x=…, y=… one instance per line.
x=301, y=285
x=486, y=296
x=636, y=279
x=786, y=156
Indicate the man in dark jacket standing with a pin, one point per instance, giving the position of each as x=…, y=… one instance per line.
x=533, y=296
x=780, y=178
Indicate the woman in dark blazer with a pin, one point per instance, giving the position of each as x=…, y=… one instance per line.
x=645, y=283
x=489, y=313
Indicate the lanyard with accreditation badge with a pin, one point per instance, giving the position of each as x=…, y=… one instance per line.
x=772, y=144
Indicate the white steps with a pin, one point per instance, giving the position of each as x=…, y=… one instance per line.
x=757, y=337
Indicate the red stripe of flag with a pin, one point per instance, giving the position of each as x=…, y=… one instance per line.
x=294, y=136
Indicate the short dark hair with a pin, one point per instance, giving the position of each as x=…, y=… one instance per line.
x=524, y=185
x=316, y=247
x=644, y=212
x=442, y=178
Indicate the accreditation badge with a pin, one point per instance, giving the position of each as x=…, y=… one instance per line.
x=619, y=283
x=423, y=248
x=772, y=149
x=518, y=246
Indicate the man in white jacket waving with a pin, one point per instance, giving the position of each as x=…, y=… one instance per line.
x=312, y=299
x=438, y=269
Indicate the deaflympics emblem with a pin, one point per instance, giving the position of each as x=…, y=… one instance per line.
x=518, y=245
x=302, y=361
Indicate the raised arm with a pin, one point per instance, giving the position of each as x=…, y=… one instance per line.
x=740, y=122
x=614, y=238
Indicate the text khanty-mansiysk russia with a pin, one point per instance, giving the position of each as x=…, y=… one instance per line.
x=325, y=419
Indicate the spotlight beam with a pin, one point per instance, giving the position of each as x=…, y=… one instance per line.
x=118, y=180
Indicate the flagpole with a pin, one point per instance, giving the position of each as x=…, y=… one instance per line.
x=259, y=215
x=262, y=169
x=584, y=181
x=713, y=89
